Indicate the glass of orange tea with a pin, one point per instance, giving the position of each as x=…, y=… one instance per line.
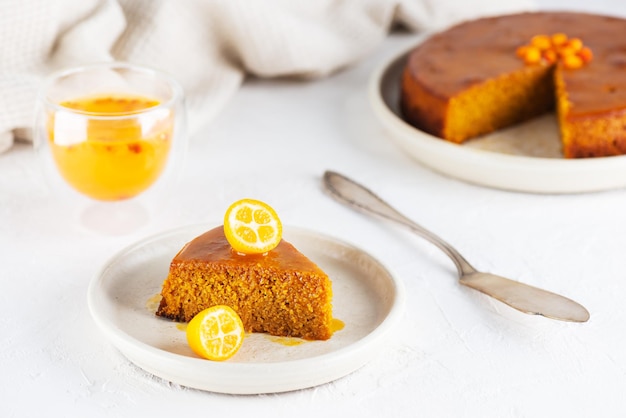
x=110, y=128
x=111, y=131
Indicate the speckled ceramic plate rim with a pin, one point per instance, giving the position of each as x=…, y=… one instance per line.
x=488, y=168
x=242, y=378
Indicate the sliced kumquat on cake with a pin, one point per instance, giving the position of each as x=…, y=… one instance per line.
x=252, y=227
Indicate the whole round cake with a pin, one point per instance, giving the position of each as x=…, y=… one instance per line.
x=483, y=75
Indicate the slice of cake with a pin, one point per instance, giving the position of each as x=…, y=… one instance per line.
x=281, y=292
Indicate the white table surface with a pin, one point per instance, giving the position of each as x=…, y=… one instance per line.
x=454, y=353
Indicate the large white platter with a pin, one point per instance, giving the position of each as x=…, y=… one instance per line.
x=123, y=296
x=523, y=158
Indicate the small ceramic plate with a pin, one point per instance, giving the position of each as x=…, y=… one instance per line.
x=124, y=295
x=526, y=157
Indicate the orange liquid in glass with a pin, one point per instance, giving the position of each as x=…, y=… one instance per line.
x=112, y=159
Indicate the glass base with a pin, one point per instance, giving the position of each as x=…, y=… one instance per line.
x=114, y=218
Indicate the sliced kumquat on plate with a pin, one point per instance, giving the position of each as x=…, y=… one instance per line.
x=252, y=227
x=216, y=333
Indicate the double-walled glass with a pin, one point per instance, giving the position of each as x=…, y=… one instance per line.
x=112, y=131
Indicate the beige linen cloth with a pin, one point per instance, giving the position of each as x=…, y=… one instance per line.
x=210, y=46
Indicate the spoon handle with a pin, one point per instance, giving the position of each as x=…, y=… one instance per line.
x=353, y=194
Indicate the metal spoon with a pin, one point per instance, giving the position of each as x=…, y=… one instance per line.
x=523, y=297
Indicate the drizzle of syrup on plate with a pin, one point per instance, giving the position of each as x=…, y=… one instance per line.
x=153, y=303
x=336, y=325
